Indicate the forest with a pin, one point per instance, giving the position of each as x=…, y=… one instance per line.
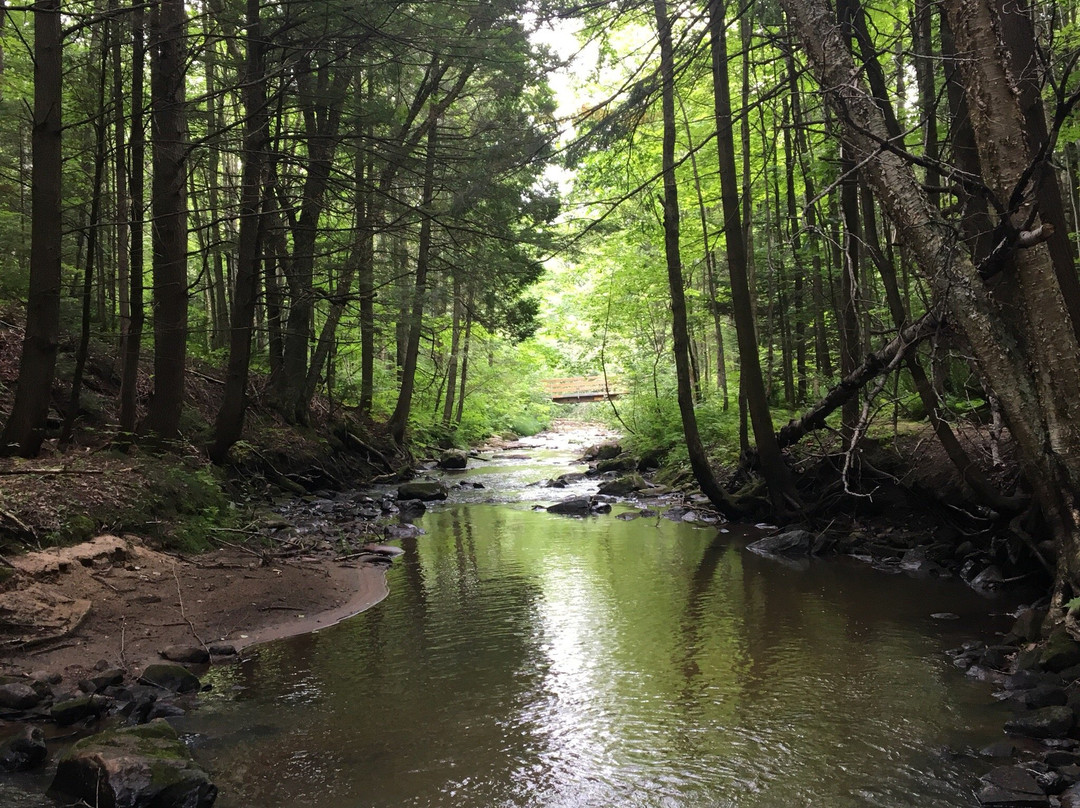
x=763, y=220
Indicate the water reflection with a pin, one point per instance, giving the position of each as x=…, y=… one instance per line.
x=529, y=660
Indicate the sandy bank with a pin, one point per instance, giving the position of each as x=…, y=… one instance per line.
x=116, y=600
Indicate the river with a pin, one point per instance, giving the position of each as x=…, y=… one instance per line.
x=530, y=660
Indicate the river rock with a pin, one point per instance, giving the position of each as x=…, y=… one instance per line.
x=564, y=480
x=791, y=543
x=399, y=532
x=24, y=752
x=623, y=462
x=1046, y=722
x=1070, y=797
x=623, y=486
x=222, y=649
x=578, y=506
x=1027, y=626
x=186, y=654
x=172, y=677
x=1011, y=787
x=133, y=767
x=453, y=460
x=423, y=490
x=1060, y=651
x=411, y=509
x=18, y=696
x=1040, y=696
x=102, y=680
x=67, y=712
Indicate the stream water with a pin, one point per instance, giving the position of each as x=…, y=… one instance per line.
x=529, y=660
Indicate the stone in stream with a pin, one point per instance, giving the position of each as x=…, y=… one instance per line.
x=167, y=676
x=24, y=752
x=1045, y=722
x=383, y=549
x=1011, y=787
x=623, y=462
x=791, y=543
x=623, y=486
x=422, y=490
x=411, y=509
x=453, y=460
x=133, y=767
x=578, y=506
x=398, y=532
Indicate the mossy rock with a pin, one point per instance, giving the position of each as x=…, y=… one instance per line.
x=1060, y=651
x=146, y=766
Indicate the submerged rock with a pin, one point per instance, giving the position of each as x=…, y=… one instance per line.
x=425, y=491
x=134, y=767
x=791, y=543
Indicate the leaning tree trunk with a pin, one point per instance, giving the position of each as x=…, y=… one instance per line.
x=1033, y=371
x=25, y=427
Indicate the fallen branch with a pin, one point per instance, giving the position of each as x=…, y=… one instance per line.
x=848, y=387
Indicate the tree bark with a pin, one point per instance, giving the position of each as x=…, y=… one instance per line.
x=131, y=330
x=772, y=466
x=229, y=424
x=25, y=427
x=169, y=204
x=399, y=419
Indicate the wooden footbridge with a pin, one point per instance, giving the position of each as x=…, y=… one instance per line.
x=579, y=389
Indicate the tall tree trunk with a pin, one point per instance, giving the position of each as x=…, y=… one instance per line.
x=25, y=427
x=699, y=460
x=219, y=325
x=399, y=419
x=773, y=468
x=131, y=331
x=229, y=424
x=466, y=341
x=455, y=346
x=92, y=249
x=322, y=123
x=169, y=234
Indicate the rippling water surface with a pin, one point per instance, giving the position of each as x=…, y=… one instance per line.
x=524, y=659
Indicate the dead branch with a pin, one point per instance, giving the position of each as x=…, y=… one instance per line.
x=876, y=364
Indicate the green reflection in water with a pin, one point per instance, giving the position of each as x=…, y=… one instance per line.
x=524, y=659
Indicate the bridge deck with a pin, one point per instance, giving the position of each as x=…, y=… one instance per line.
x=578, y=389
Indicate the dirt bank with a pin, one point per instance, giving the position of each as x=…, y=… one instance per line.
x=116, y=600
